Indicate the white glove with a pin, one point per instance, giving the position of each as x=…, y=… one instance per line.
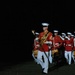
x=37, y=39
x=66, y=37
x=48, y=42
x=38, y=45
x=61, y=37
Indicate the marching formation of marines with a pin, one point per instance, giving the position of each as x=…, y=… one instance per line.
x=47, y=45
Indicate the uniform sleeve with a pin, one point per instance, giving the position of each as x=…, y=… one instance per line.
x=40, y=35
x=72, y=41
x=60, y=41
x=64, y=43
x=50, y=38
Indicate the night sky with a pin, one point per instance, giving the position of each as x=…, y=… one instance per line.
x=19, y=18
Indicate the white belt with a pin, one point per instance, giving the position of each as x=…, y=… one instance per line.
x=68, y=45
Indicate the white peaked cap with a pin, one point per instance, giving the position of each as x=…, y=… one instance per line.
x=37, y=33
x=63, y=33
x=55, y=30
x=69, y=33
x=72, y=35
x=45, y=24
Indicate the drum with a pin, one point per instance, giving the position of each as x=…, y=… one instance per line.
x=74, y=52
x=54, y=51
x=35, y=52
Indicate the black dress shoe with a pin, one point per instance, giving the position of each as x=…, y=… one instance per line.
x=44, y=73
x=42, y=70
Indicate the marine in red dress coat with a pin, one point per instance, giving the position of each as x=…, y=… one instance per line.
x=57, y=41
x=45, y=46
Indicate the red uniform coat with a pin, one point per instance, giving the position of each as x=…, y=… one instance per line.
x=36, y=44
x=63, y=43
x=56, y=41
x=68, y=44
x=72, y=38
x=74, y=44
x=45, y=47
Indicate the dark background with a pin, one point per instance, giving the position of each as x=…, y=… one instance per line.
x=19, y=18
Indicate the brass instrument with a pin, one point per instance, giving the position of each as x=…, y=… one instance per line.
x=43, y=39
